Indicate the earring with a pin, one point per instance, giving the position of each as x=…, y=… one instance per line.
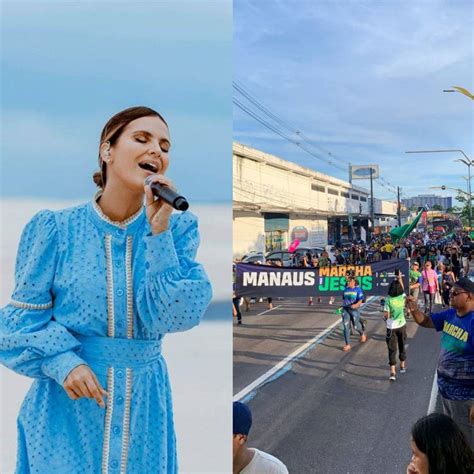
x=107, y=157
x=107, y=153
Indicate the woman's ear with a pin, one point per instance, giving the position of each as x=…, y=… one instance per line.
x=105, y=152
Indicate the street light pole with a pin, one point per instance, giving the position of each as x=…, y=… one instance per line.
x=372, y=229
x=468, y=163
x=457, y=150
x=398, y=207
x=452, y=189
x=470, y=195
x=462, y=90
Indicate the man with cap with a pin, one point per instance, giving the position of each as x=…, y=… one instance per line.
x=456, y=360
x=250, y=460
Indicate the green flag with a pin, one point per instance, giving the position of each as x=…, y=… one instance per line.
x=398, y=233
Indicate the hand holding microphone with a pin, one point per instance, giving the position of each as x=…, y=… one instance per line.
x=159, y=211
x=166, y=192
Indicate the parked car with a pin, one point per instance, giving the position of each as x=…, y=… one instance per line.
x=254, y=258
x=284, y=256
x=287, y=258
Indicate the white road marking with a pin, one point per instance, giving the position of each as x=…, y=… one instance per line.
x=271, y=372
x=434, y=394
x=268, y=310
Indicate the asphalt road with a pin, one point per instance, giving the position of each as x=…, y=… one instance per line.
x=329, y=411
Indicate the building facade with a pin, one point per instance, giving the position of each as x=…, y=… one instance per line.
x=277, y=201
x=430, y=200
x=386, y=216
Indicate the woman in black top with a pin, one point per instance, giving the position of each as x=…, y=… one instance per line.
x=448, y=279
x=456, y=263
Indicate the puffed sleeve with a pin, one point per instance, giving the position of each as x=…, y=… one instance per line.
x=32, y=343
x=176, y=290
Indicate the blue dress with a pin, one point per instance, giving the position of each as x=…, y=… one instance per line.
x=102, y=293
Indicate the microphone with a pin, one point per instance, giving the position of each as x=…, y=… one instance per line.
x=168, y=195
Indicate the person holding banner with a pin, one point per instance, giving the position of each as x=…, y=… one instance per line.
x=353, y=298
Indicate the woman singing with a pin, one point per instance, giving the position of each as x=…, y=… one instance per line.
x=97, y=288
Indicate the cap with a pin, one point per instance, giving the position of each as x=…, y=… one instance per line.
x=242, y=418
x=416, y=263
x=465, y=284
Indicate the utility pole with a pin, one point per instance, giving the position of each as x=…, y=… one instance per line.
x=372, y=227
x=398, y=207
x=470, y=195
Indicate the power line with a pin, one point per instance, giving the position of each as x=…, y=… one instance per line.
x=238, y=86
x=276, y=118
x=281, y=133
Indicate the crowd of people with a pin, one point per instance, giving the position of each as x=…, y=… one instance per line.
x=442, y=272
x=454, y=251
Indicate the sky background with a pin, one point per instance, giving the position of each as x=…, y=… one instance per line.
x=67, y=67
x=363, y=81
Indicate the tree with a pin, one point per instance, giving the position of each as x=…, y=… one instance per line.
x=464, y=214
x=436, y=207
x=453, y=210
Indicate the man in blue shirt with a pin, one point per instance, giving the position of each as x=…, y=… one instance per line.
x=456, y=360
x=352, y=297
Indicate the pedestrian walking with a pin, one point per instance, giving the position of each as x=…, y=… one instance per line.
x=469, y=266
x=448, y=280
x=429, y=284
x=456, y=262
x=396, y=335
x=353, y=297
x=415, y=280
x=236, y=308
x=402, y=252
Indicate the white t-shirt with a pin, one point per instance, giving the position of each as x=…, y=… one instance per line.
x=264, y=463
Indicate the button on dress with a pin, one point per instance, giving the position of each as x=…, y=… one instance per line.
x=102, y=293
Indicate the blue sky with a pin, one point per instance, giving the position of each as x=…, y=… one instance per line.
x=363, y=81
x=67, y=67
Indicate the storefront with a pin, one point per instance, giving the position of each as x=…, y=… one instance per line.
x=276, y=231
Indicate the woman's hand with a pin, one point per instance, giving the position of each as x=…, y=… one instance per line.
x=82, y=382
x=411, y=469
x=158, y=212
x=411, y=303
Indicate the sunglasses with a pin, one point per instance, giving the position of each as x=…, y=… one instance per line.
x=456, y=293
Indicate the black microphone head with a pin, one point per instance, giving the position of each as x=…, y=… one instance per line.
x=181, y=204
